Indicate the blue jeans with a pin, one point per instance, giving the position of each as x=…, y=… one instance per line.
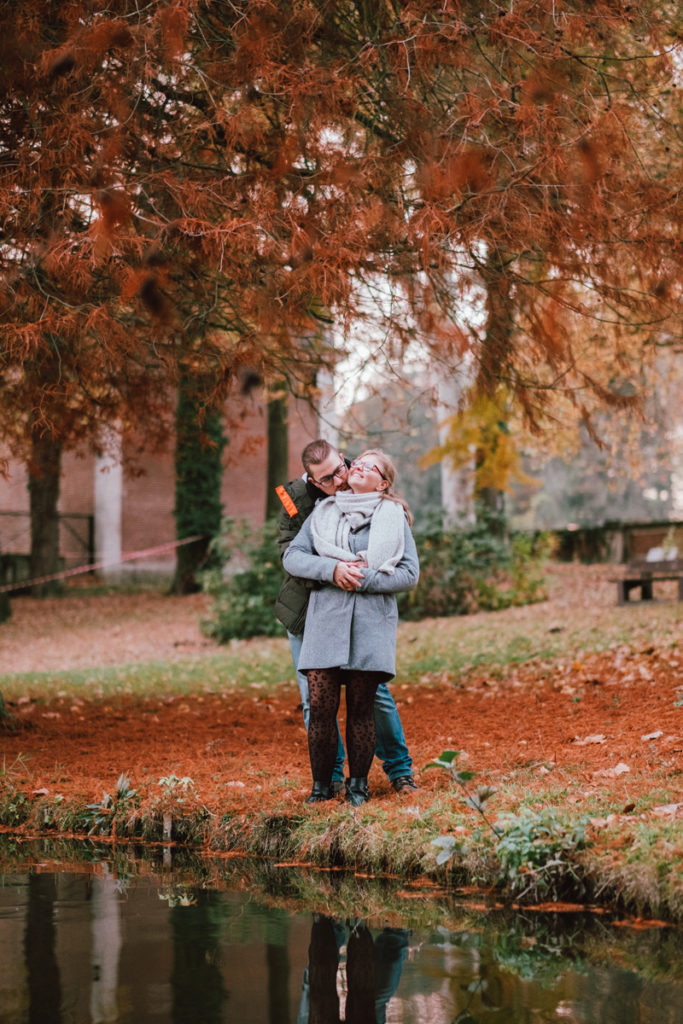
x=392, y=749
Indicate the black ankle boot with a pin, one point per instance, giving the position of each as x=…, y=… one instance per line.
x=357, y=791
x=321, y=791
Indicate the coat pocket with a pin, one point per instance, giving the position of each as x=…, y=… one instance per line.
x=390, y=608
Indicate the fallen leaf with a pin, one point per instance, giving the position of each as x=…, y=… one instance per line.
x=667, y=810
x=556, y=907
x=602, y=822
x=640, y=923
x=611, y=773
x=596, y=738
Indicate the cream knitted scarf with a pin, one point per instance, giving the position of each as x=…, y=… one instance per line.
x=334, y=518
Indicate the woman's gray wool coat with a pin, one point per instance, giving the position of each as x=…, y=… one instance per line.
x=350, y=629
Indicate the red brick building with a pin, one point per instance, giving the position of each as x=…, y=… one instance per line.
x=108, y=514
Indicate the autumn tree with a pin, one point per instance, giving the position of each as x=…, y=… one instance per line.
x=130, y=258
x=524, y=155
x=185, y=183
x=72, y=358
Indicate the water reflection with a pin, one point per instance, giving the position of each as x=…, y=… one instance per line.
x=373, y=971
x=197, y=988
x=106, y=949
x=42, y=971
x=96, y=945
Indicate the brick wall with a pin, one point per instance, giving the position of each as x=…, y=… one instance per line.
x=147, y=505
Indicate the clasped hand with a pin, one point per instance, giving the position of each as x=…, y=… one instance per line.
x=348, y=575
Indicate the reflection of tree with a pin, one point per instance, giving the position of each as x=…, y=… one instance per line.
x=44, y=989
x=277, y=959
x=196, y=980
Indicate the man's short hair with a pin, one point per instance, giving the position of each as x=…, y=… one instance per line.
x=316, y=452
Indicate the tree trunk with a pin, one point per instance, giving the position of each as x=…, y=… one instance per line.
x=278, y=447
x=43, y=486
x=5, y=716
x=190, y=560
x=495, y=361
x=496, y=353
x=198, y=467
x=457, y=482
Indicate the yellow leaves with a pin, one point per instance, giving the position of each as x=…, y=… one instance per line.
x=479, y=436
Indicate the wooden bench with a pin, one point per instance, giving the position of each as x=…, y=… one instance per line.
x=642, y=574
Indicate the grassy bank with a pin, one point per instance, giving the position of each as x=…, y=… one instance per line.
x=538, y=847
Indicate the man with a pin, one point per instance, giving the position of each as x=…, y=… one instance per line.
x=325, y=473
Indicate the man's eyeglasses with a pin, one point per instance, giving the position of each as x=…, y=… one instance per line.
x=329, y=478
x=366, y=467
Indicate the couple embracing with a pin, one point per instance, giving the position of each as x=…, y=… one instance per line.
x=347, y=551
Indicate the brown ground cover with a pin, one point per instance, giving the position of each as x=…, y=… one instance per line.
x=611, y=720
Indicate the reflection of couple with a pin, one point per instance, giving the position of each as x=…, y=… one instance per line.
x=373, y=971
x=348, y=550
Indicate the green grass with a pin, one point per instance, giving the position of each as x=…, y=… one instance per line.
x=494, y=641
x=259, y=663
x=488, y=642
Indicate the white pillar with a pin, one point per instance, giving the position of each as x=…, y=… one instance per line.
x=108, y=506
x=457, y=483
x=676, y=437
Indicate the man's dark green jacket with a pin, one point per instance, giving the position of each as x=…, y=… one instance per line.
x=298, y=499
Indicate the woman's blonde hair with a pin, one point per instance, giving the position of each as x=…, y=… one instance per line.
x=388, y=471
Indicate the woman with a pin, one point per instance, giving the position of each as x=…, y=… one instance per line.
x=357, y=544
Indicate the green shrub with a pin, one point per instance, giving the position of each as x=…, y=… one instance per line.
x=244, y=602
x=476, y=568
x=461, y=571
x=536, y=851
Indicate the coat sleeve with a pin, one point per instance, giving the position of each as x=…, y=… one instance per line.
x=288, y=524
x=286, y=531
x=301, y=559
x=404, y=576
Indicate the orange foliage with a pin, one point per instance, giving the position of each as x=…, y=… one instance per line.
x=185, y=172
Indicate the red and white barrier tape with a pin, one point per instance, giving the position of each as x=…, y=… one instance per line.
x=23, y=584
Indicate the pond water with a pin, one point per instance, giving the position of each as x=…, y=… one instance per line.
x=113, y=939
